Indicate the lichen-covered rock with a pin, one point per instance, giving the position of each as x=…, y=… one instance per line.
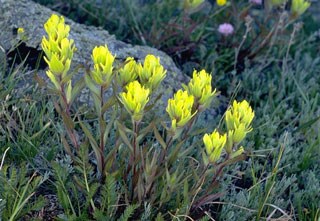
x=31, y=16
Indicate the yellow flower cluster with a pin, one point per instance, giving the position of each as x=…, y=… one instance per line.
x=128, y=73
x=200, y=87
x=180, y=109
x=103, y=65
x=58, y=50
x=135, y=99
x=238, y=121
x=221, y=2
x=151, y=73
x=214, y=144
x=298, y=7
x=197, y=97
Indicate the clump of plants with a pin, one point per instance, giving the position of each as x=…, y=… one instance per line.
x=219, y=35
x=122, y=165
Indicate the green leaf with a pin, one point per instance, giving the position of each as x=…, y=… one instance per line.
x=66, y=145
x=128, y=212
x=122, y=130
x=159, y=217
x=308, y=124
x=79, y=85
x=159, y=138
x=91, y=85
x=40, y=131
x=108, y=104
x=109, y=126
x=143, y=132
x=66, y=119
x=93, y=143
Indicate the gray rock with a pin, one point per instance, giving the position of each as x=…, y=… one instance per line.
x=31, y=16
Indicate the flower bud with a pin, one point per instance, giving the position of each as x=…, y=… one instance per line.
x=238, y=121
x=221, y=2
x=135, y=99
x=200, y=87
x=152, y=72
x=58, y=49
x=129, y=72
x=180, y=109
x=239, y=113
x=214, y=144
x=298, y=7
x=103, y=65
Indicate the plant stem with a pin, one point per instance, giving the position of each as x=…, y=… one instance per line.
x=71, y=133
x=135, y=146
x=87, y=185
x=102, y=131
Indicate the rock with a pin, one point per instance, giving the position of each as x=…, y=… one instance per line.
x=31, y=16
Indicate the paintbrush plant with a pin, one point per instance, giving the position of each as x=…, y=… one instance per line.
x=135, y=161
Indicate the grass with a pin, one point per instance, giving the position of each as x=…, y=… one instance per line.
x=279, y=180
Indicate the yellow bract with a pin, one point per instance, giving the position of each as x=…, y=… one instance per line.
x=214, y=144
x=129, y=72
x=135, y=99
x=200, y=87
x=103, y=65
x=192, y=4
x=180, y=109
x=152, y=72
x=221, y=2
x=298, y=7
x=238, y=121
x=58, y=49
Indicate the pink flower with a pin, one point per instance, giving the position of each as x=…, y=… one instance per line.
x=258, y=2
x=226, y=29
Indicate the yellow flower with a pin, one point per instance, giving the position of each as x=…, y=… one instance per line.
x=58, y=49
x=103, y=65
x=221, y=2
x=200, y=87
x=298, y=7
x=180, y=109
x=214, y=144
x=20, y=31
x=56, y=28
x=238, y=121
x=239, y=113
x=135, y=99
x=152, y=72
x=128, y=73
